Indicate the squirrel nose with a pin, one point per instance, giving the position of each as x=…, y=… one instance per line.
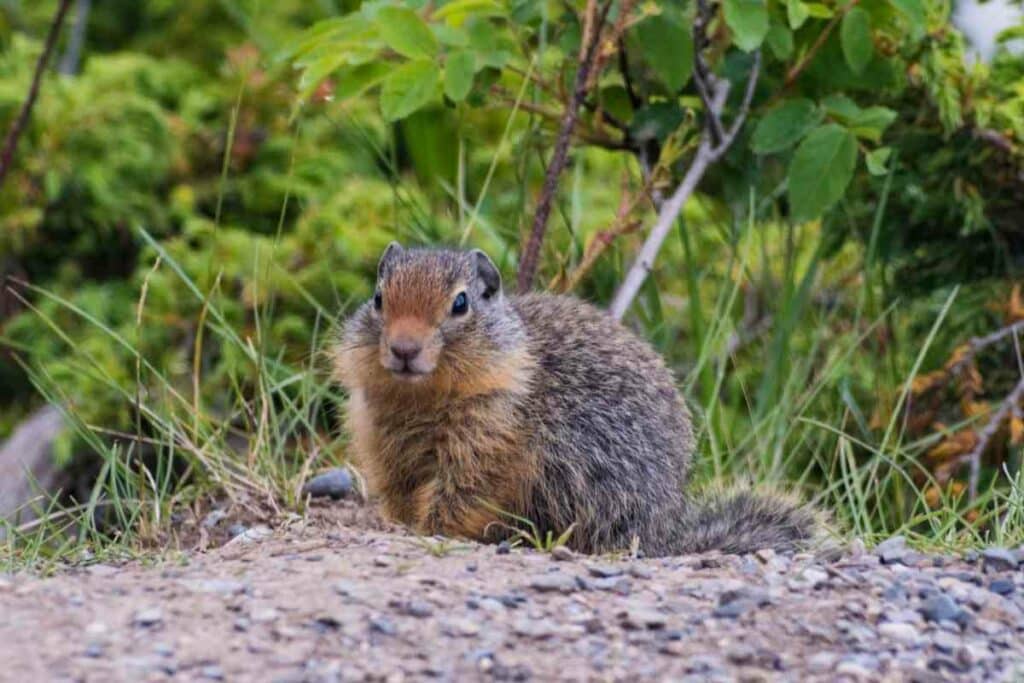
x=405, y=350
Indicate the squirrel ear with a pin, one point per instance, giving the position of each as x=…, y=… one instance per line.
x=487, y=272
x=390, y=252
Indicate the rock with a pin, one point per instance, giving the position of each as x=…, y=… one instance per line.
x=554, y=582
x=335, y=484
x=814, y=576
x=251, y=536
x=821, y=662
x=639, y=571
x=460, y=627
x=237, y=529
x=214, y=517
x=945, y=641
x=94, y=650
x=643, y=618
x=212, y=672
x=604, y=571
x=28, y=468
x=417, y=608
x=893, y=550
x=734, y=609
x=854, y=670
x=998, y=559
x=534, y=628
x=857, y=548
x=941, y=607
x=148, y=617
x=561, y=553
x=900, y=632
x=503, y=548
x=379, y=624
x=1002, y=586
x=613, y=584
x=218, y=586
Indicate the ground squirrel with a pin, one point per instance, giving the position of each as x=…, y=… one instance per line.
x=466, y=404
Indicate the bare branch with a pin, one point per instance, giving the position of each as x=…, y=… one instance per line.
x=704, y=82
x=14, y=134
x=741, y=115
x=1009, y=406
x=707, y=154
x=588, y=53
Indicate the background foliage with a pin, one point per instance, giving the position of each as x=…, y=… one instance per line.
x=195, y=205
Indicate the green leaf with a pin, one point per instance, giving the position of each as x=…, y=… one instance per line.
x=405, y=32
x=855, y=37
x=796, y=13
x=656, y=121
x=457, y=11
x=458, y=75
x=877, y=159
x=615, y=100
x=780, y=40
x=821, y=170
x=872, y=122
x=450, y=35
x=819, y=11
x=748, y=20
x=408, y=88
x=354, y=80
x=913, y=12
x=667, y=45
x=784, y=126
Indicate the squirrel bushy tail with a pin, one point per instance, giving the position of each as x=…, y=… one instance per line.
x=742, y=520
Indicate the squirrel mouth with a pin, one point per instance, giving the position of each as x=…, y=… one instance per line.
x=407, y=374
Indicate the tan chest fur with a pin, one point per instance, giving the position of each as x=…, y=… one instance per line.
x=443, y=463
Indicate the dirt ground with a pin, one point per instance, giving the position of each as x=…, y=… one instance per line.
x=341, y=596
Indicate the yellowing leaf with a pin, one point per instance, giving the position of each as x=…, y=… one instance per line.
x=1016, y=431
x=1015, y=307
x=957, y=444
x=927, y=382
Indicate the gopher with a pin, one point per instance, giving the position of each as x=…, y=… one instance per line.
x=471, y=410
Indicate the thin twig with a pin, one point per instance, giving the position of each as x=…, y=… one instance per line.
x=798, y=69
x=14, y=134
x=588, y=52
x=1010, y=405
x=707, y=154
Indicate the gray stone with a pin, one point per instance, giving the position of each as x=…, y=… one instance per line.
x=561, y=553
x=998, y=559
x=605, y=571
x=1002, y=586
x=554, y=582
x=534, y=628
x=217, y=586
x=335, y=484
x=900, y=632
x=941, y=607
x=148, y=617
x=643, y=618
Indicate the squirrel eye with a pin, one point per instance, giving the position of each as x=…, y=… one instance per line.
x=461, y=304
x=378, y=300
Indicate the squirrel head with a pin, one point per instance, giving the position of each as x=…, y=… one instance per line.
x=437, y=318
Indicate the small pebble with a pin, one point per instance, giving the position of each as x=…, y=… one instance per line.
x=998, y=559
x=554, y=582
x=503, y=548
x=334, y=484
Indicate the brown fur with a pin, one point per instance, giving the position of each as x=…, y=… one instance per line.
x=538, y=406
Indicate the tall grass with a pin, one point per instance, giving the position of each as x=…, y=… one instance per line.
x=782, y=397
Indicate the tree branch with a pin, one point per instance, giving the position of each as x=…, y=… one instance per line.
x=1009, y=406
x=707, y=154
x=18, y=125
x=588, y=52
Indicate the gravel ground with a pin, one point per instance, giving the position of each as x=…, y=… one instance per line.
x=338, y=597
